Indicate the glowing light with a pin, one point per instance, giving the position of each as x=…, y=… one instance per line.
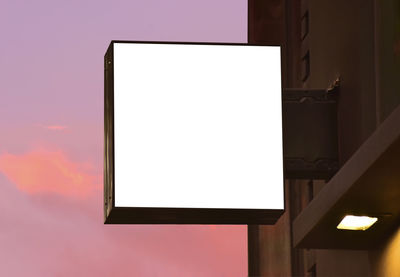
x=352, y=222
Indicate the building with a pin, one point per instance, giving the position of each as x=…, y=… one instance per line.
x=357, y=41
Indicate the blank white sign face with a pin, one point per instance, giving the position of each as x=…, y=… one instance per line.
x=198, y=126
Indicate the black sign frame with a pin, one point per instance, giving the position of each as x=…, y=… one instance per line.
x=150, y=215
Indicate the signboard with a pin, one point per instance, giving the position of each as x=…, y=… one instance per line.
x=193, y=133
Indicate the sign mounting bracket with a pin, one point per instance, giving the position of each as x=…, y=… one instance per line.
x=310, y=137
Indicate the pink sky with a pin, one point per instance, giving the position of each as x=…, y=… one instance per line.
x=51, y=141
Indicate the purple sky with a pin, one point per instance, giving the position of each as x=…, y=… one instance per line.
x=51, y=141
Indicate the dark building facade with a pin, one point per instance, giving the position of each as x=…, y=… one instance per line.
x=323, y=41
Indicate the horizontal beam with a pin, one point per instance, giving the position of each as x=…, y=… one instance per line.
x=367, y=184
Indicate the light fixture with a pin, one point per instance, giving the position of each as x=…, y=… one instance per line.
x=352, y=222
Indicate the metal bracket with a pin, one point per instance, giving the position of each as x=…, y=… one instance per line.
x=310, y=137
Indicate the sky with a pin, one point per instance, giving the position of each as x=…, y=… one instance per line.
x=51, y=141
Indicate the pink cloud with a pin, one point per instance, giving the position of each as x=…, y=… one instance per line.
x=52, y=127
x=56, y=127
x=43, y=171
x=57, y=236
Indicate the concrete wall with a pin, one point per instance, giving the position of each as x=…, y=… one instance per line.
x=386, y=260
x=360, y=41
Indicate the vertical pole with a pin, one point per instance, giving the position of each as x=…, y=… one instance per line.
x=253, y=247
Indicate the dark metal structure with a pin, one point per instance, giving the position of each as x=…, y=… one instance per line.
x=310, y=140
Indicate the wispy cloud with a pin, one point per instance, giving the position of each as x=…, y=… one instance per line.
x=52, y=127
x=55, y=236
x=56, y=127
x=43, y=171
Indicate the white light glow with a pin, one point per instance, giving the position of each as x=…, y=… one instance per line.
x=352, y=222
x=198, y=126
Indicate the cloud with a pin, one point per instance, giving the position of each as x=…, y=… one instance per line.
x=43, y=171
x=55, y=127
x=58, y=238
x=59, y=235
x=52, y=127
